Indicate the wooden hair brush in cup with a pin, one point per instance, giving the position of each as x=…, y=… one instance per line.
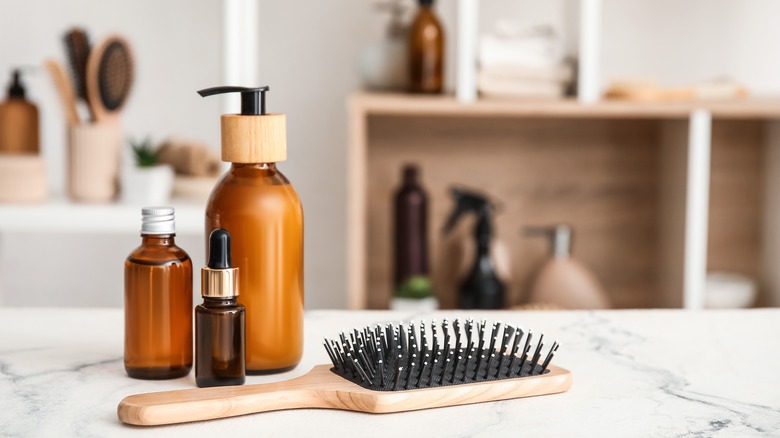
x=109, y=78
x=381, y=369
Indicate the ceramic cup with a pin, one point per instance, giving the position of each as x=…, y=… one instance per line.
x=93, y=161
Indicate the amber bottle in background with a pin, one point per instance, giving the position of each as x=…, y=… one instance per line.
x=19, y=127
x=158, y=302
x=257, y=205
x=426, y=51
x=220, y=320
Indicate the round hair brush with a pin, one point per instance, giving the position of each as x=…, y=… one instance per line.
x=381, y=369
x=109, y=78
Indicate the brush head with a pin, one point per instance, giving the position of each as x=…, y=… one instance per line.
x=403, y=357
x=109, y=77
x=116, y=75
x=77, y=48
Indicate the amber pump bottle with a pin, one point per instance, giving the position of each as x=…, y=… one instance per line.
x=18, y=120
x=158, y=301
x=261, y=210
x=426, y=51
x=219, y=321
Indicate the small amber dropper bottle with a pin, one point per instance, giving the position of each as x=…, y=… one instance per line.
x=219, y=321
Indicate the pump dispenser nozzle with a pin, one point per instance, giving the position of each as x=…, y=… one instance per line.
x=253, y=136
x=16, y=89
x=252, y=99
x=560, y=238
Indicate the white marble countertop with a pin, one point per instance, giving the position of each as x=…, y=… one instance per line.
x=636, y=373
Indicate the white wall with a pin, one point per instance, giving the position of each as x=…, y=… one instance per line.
x=679, y=42
x=308, y=52
x=178, y=50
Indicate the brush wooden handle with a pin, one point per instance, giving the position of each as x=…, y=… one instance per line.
x=65, y=89
x=219, y=402
x=321, y=388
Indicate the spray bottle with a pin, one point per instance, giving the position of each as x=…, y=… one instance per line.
x=482, y=284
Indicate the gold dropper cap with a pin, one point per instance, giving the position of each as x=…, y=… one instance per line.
x=218, y=279
x=218, y=283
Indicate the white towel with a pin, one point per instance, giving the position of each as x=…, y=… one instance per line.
x=511, y=45
x=557, y=73
x=496, y=86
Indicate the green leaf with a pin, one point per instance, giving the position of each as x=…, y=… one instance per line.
x=415, y=287
x=146, y=155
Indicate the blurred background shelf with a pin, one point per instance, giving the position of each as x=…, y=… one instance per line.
x=426, y=105
x=659, y=194
x=61, y=215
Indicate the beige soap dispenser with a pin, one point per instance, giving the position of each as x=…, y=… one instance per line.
x=564, y=281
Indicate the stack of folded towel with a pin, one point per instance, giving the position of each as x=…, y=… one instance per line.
x=522, y=62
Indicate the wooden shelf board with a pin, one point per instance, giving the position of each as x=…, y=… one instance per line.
x=398, y=104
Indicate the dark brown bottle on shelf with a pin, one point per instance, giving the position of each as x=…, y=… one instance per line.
x=426, y=51
x=158, y=302
x=220, y=320
x=411, y=237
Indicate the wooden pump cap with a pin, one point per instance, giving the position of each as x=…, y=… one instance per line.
x=254, y=138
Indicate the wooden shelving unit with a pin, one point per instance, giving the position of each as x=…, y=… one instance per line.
x=389, y=104
x=658, y=193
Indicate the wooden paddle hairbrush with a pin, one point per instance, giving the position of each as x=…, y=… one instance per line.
x=109, y=78
x=390, y=368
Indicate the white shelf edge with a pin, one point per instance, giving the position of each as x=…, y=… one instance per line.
x=61, y=216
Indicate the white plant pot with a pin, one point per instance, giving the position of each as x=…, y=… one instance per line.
x=146, y=185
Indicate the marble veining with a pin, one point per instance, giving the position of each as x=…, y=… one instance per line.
x=636, y=373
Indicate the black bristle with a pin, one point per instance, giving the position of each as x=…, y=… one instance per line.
x=524, y=353
x=537, y=353
x=549, y=357
x=456, y=327
x=397, y=384
x=404, y=345
x=513, y=352
x=469, y=339
x=398, y=357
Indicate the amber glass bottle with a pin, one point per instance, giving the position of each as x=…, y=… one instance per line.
x=158, y=302
x=220, y=320
x=260, y=209
x=426, y=51
x=219, y=350
x=18, y=121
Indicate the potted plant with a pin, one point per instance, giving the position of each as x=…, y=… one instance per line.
x=147, y=181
